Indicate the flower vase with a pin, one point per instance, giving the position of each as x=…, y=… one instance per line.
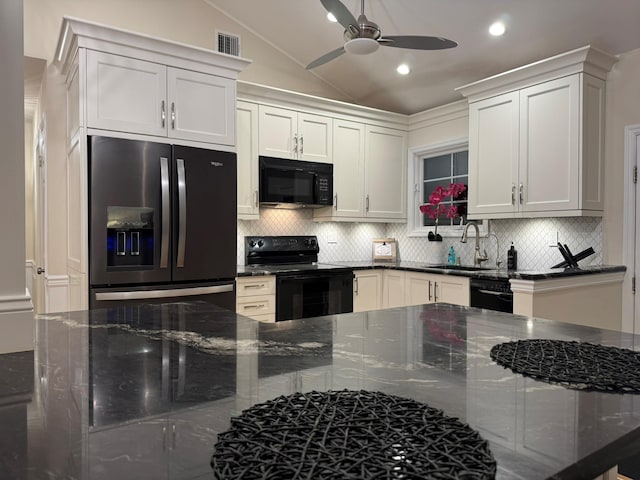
x=435, y=253
x=434, y=236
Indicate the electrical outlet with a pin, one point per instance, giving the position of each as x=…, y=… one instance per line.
x=332, y=238
x=554, y=238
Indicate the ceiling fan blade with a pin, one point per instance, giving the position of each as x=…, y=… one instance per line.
x=417, y=42
x=342, y=13
x=327, y=57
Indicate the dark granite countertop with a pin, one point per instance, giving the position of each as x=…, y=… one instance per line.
x=484, y=272
x=142, y=392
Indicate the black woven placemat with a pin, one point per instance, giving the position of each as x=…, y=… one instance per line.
x=577, y=365
x=349, y=435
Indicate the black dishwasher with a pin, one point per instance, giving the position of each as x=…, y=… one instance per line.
x=492, y=294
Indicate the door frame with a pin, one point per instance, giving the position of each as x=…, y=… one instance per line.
x=40, y=217
x=630, y=302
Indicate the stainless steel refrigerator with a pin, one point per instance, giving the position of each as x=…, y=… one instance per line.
x=162, y=223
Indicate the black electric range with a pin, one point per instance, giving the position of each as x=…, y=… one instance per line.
x=304, y=288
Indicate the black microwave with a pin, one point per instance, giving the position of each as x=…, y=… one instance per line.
x=295, y=182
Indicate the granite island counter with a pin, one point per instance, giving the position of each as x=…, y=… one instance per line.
x=142, y=392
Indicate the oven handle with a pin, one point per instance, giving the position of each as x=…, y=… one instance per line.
x=491, y=292
x=312, y=276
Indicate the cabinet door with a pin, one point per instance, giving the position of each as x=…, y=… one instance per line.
x=367, y=293
x=394, y=288
x=201, y=107
x=451, y=289
x=277, y=132
x=315, y=138
x=348, y=168
x=549, y=145
x=125, y=94
x=385, y=173
x=493, y=155
x=419, y=288
x=247, y=151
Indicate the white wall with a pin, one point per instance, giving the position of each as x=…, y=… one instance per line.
x=16, y=319
x=623, y=108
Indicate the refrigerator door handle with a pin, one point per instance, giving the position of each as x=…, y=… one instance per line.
x=175, y=292
x=164, y=186
x=182, y=212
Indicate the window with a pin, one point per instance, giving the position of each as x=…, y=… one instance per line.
x=430, y=167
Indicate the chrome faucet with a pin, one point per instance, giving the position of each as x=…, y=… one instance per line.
x=478, y=258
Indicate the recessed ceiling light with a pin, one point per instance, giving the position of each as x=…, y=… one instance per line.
x=497, y=29
x=403, y=69
x=331, y=17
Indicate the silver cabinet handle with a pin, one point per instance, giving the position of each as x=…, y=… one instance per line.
x=163, y=115
x=173, y=292
x=174, y=434
x=256, y=197
x=435, y=291
x=164, y=188
x=254, y=307
x=295, y=143
x=182, y=212
x=513, y=194
x=335, y=203
x=429, y=290
x=173, y=115
x=521, y=194
x=259, y=285
x=355, y=285
x=301, y=144
x=367, y=203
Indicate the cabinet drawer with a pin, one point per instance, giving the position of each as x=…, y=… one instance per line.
x=256, y=305
x=247, y=286
x=267, y=318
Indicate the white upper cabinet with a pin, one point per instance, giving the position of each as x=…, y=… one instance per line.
x=130, y=95
x=385, y=173
x=536, y=138
x=201, y=107
x=369, y=174
x=348, y=168
x=295, y=135
x=247, y=154
x=125, y=94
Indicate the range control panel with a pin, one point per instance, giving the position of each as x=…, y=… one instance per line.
x=281, y=249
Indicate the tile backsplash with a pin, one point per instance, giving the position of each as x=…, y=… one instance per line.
x=352, y=241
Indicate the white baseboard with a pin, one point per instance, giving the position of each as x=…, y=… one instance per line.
x=56, y=293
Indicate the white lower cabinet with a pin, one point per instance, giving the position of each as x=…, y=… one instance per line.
x=432, y=288
x=256, y=297
x=367, y=290
x=394, y=288
x=389, y=288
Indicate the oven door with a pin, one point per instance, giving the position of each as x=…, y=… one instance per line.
x=303, y=295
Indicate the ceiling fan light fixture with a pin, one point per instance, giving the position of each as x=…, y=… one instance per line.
x=332, y=17
x=361, y=46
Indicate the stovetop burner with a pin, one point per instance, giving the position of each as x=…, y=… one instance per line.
x=277, y=250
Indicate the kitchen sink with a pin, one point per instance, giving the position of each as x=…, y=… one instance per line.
x=468, y=268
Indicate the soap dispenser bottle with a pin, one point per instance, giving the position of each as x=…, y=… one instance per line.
x=451, y=256
x=512, y=258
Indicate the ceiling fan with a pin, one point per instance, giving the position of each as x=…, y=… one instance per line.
x=363, y=36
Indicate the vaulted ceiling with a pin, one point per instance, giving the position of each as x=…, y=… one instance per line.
x=536, y=29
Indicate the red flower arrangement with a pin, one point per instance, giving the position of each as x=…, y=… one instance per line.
x=435, y=209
